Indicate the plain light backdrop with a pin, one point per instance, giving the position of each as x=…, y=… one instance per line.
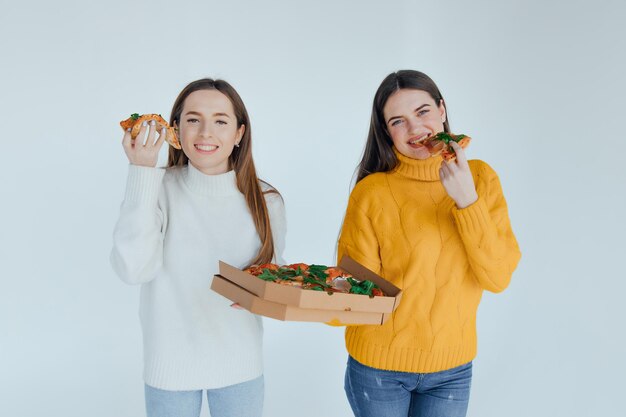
x=539, y=85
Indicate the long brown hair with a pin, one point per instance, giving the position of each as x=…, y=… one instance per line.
x=378, y=155
x=240, y=160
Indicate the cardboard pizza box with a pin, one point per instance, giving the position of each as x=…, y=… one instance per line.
x=320, y=300
x=285, y=312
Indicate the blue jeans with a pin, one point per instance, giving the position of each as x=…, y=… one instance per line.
x=239, y=400
x=374, y=392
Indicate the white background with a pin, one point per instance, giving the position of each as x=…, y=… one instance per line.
x=539, y=85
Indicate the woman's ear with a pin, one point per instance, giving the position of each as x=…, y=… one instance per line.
x=442, y=111
x=240, y=132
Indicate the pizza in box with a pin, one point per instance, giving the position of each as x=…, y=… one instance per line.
x=316, y=278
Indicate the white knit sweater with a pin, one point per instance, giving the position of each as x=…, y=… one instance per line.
x=175, y=225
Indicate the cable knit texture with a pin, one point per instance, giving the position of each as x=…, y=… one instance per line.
x=174, y=226
x=402, y=225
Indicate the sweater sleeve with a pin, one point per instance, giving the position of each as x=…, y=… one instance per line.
x=278, y=222
x=486, y=232
x=137, y=252
x=358, y=239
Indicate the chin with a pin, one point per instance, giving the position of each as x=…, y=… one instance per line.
x=412, y=153
x=213, y=168
x=422, y=156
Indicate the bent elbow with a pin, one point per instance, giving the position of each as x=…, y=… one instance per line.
x=129, y=273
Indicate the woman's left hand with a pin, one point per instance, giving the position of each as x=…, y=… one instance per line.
x=457, y=179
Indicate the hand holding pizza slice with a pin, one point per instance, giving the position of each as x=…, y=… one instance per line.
x=135, y=121
x=440, y=144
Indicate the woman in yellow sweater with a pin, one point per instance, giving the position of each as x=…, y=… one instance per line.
x=438, y=230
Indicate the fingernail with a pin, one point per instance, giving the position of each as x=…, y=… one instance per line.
x=128, y=130
x=144, y=123
x=152, y=122
x=163, y=130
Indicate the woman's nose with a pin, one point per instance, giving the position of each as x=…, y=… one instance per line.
x=414, y=124
x=205, y=130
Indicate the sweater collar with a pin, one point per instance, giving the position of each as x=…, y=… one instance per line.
x=210, y=185
x=419, y=169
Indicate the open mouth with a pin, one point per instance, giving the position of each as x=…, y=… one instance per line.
x=206, y=149
x=415, y=140
x=431, y=142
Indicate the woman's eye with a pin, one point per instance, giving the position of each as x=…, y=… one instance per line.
x=192, y=120
x=422, y=112
x=220, y=122
x=397, y=122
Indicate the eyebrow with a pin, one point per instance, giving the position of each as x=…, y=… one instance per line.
x=415, y=111
x=214, y=114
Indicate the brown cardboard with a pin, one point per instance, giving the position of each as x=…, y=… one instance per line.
x=285, y=312
x=297, y=297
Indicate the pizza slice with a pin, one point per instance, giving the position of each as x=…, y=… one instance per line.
x=439, y=144
x=134, y=124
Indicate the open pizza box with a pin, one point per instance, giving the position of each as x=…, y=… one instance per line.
x=295, y=304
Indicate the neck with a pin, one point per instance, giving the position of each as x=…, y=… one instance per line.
x=222, y=184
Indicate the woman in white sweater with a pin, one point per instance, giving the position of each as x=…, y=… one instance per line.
x=175, y=224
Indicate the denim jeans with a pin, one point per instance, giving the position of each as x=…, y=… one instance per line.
x=376, y=393
x=239, y=400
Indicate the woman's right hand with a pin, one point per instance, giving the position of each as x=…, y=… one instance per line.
x=144, y=151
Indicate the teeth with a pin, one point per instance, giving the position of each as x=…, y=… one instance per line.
x=413, y=142
x=206, y=147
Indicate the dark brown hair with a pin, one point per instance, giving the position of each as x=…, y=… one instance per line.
x=240, y=160
x=378, y=155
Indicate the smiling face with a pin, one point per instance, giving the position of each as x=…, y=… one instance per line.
x=208, y=131
x=410, y=117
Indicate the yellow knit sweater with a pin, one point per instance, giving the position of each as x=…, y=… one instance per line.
x=402, y=225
